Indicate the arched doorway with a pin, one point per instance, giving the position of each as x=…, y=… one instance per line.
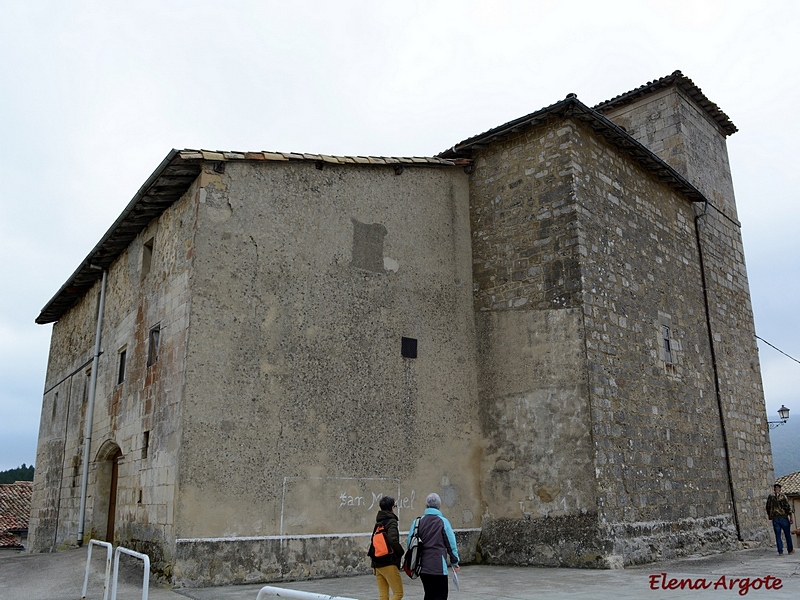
x=107, y=464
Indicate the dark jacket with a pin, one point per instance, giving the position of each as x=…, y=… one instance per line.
x=778, y=506
x=438, y=542
x=393, y=536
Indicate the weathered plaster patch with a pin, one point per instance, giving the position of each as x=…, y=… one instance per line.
x=212, y=180
x=368, y=246
x=547, y=493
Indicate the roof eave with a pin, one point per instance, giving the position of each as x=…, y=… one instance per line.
x=571, y=107
x=683, y=83
x=165, y=185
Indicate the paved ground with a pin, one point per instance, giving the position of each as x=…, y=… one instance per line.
x=750, y=573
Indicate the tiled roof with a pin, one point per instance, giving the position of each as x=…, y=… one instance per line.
x=679, y=80
x=15, y=511
x=223, y=155
x=166, y=185
x=180, y=168
x=572, y=108
x=477, y=142
x=790, y=484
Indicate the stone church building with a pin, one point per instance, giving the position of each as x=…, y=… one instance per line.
x=549, y=324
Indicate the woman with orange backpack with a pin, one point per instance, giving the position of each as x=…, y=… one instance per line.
x=386, y=552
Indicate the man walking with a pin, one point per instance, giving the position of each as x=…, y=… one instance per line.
x=779, y=511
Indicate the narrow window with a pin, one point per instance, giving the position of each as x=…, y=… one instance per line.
x=55, y=405
x=152, y=346
x=145, y=443
x=121, y=371
x=86, y=385
x=665, y=334
x=147, y=256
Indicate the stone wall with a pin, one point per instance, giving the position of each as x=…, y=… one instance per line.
x=539, y=483
x=660, y=456
x=145, y=410
x=57, y=480
x=524, y=235
x=137, y=416
x=671, y=125
x=209, y=562
x=738, y=369
x=677, y=130
x=300, y=409
x=603, y=258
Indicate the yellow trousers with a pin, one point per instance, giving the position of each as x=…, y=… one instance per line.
x=389, y=577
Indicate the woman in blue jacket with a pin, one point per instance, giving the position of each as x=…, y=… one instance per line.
x=438, y=542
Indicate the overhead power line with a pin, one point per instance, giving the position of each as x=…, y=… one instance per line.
x=778, y=349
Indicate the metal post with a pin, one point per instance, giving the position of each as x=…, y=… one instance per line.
x=145, y=580
x=108, y=568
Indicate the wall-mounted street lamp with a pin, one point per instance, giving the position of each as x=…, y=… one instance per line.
x=783, y=413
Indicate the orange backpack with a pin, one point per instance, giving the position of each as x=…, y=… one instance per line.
x=379, y=546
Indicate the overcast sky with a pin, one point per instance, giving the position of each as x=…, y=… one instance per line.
x=93, y=95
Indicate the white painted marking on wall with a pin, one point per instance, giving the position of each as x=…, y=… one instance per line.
x=352, y=501
x=390, y=264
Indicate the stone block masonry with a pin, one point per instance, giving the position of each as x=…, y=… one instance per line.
x=564, y=222
x=685, y=136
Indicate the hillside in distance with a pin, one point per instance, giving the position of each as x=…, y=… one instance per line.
x=785, y=440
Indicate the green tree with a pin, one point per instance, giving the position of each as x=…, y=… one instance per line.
x=22, y=473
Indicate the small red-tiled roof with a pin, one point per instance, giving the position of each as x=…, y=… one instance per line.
x=15, y=511
x=790, y=484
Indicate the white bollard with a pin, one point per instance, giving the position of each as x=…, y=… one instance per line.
x=146, y=580
x=109, y=549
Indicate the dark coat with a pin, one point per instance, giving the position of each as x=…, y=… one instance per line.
x=393, y=536
x=438, y=542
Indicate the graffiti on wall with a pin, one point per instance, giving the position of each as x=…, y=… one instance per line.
x=330, y=505
x=348, y=501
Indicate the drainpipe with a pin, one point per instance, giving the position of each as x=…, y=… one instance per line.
x=720, y=408
x=90, y=409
